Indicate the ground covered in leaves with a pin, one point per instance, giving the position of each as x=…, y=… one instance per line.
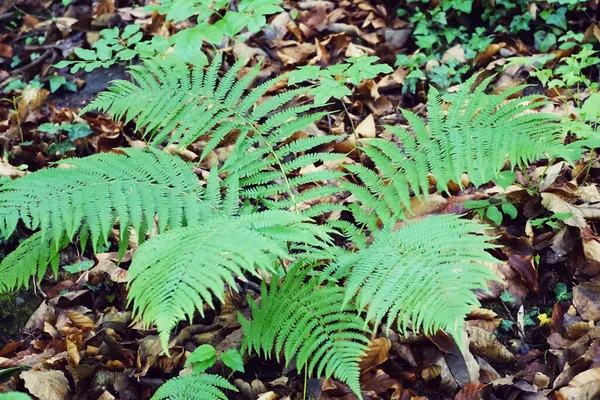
x=536, y=337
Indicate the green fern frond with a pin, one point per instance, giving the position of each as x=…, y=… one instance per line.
x=172, y=275
x=308, y=322
x=478, y=134
x=425, y=274
x=29, y=260
x=194, y=387
x=173, y=102
x=89, y=196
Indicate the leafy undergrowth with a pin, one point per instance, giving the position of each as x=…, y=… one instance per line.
x=535, y=335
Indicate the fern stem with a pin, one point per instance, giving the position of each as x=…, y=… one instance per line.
x=305, y=381
x=351, y=123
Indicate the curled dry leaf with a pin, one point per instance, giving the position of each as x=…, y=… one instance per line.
x=79, y=320
x=376, y=354
x=557, y=205
x=489, y=52
x=487, y=345
x=431, y=372
x=73, y=352
x=523, y=264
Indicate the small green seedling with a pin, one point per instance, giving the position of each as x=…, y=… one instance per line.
x=552, y=221
x=493, y=209
x=205, y=357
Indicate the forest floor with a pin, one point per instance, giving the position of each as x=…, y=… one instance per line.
x=73, y=337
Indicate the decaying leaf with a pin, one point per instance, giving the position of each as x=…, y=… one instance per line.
x=487, y=345
x=46, y=385
x=376, y=354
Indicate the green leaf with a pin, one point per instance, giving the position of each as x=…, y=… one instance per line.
x=17, y=395
x=110, y=33
x=476, y=204
x=510, y=210
x=49, y=127
x=104, y=52
x=17, y=84
x=527, y=320
x=202, y=358
x=507, y=297
x=85, y=54
x=130, y=30
x=494, y=215
x=126, y=54
x=544, y=40
x=78, y=267
x=56, y=81
x=135, y=38
x=591, y=108
x=506, y=325
x=187, y=43
x=561, y=292
x=558, y=18
x=505, y=178
x=77, y=131
x=233, y=359
x=305, y=73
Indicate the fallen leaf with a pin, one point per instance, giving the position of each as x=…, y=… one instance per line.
x=454, y=53
x=366, y=128
x=489, y=52
x=487, y=345
x=46, y=385
x=396, y=37
x=557, y=205
x=586, y=298
x=469, y=392
x=523, y=264
x=8, y=170
x=376, y=354
x=584, y=386
x=73, y=352
x=79, y=320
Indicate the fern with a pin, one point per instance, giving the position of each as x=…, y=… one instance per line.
x=88, y=197
x=174, y=102
x=310, y=323
x=30, y=259
x=425, y=274
x=174, y=274
x=194, y=387
x=171, y=101
x=476, y=136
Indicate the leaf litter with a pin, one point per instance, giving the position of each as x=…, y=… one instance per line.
x=535, y=336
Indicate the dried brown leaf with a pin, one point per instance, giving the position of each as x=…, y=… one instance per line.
x=79, y=320
x=46, y=385
x=487, y=345
x=586, y=298
x=376, y=354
